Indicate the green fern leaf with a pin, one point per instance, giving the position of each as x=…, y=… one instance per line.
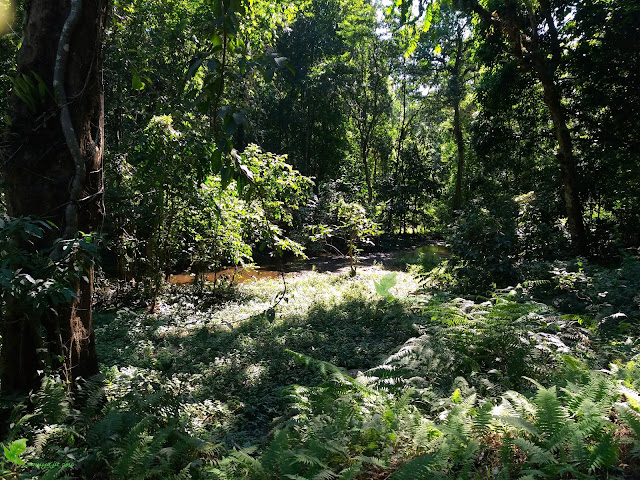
x=550, y=417
x=604, y=454
x=482, y=419
x=307, y=459
x=519, y=423
x=537, y=454
x=630, y=418
x=325, y=474
x=419, y=467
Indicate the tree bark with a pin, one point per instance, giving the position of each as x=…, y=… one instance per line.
x=565, y=156
x=56, y=177
x=457, y=130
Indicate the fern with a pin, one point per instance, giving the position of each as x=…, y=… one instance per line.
x=603, y=455
x=107, y=428
x=90, y=398
x=483, y=419
x=550, y=416
x=630, y=418
x=538, y=455
x=52, y=434
x=419, y=467
x=51, y=402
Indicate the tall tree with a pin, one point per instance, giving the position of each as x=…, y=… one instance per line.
x=456, y=92
x=603, y=69
x=367, y=93
x=53, y=170
x=303, y=113
x=531, y=33
x=446, y=48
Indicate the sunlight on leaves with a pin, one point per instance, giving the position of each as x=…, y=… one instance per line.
x=7, y=14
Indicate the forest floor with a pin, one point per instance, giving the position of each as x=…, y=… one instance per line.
x=222, y=353
x=226, y=361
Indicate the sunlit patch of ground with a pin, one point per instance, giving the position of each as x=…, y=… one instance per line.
x=226, y=364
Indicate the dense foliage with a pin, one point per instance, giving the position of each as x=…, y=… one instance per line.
x=244, y=136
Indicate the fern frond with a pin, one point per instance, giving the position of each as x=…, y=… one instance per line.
x=532, y=475
x=629, y=417
x=244, y=458
x=307, y=459
x=325, y=368
x=277, y=449
x=132, y=446
x=106, y=429
x=537, y=454
x=520, y=404
x=520, y=423
x=325, y=474
x=604, y=454
x=57, y=433
x=550, y=416
x=419, y=467
x=54, y=473
x=91, y=396
x=351, y=472
x=482, y=419
x=561, y=437
x=51, y=401
x=367, y=460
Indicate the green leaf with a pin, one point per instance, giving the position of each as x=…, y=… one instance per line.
x=456, y=397
x=226, y=175
x=33, y=230
x=230, y=125
x=17, y=448
x=194, y=67
x=216, y=161
x=386, y=283
x=137, y=83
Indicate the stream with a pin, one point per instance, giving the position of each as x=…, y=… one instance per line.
x=391, y=260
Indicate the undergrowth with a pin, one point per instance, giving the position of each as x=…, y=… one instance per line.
x=339, y=381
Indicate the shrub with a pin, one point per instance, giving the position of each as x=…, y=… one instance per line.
x=482, y=246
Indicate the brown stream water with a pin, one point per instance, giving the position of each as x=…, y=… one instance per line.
x=328, y=263
x=239, y=275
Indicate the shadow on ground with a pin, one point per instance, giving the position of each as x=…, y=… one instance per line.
x=245, y=369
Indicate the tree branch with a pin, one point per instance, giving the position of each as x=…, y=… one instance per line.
x=556, y=53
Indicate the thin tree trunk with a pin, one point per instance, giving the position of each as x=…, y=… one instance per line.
x=458, y=84
x=54, y=172
x=367, y=172
x=457, y=128
x=565, y=156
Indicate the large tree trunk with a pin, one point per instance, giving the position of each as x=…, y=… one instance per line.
x=54, y=172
